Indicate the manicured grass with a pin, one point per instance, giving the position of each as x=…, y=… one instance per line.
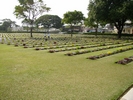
x=27, y=74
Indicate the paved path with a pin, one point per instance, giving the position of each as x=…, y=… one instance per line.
x=128, y=95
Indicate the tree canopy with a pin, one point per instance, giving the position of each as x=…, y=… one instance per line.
x=49, y=21
x=7, y=24
x=29, y=10
x=73, y=17
x=111, y=11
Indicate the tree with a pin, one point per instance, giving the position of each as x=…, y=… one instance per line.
x=49, y=20
x=91, y=21
x=73, y=18
x=111, y=11
x=29, y=10
x=7, y=24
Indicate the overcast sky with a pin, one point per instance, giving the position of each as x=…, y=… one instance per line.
x=58, y=7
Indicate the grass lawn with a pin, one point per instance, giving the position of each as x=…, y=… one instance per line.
x=27, y=74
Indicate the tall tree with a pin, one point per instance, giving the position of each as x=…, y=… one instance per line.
x=29, y=10
x=73, y=17
x=111, y=11
x=49, y=20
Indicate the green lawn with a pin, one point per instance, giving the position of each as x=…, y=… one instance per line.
x=27, y=74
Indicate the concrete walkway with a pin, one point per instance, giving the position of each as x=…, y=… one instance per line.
x=128, y=95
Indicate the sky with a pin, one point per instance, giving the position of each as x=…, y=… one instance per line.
x=58, y=7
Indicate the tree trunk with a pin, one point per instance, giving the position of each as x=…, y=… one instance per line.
x=96, y=29
x=31, y=32
x=120, y=28
x=119, y=25
x=119, y=34
x=31, y=29
x=71, y=35
x=71, y=31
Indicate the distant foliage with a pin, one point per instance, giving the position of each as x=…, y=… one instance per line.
x=6, y=25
